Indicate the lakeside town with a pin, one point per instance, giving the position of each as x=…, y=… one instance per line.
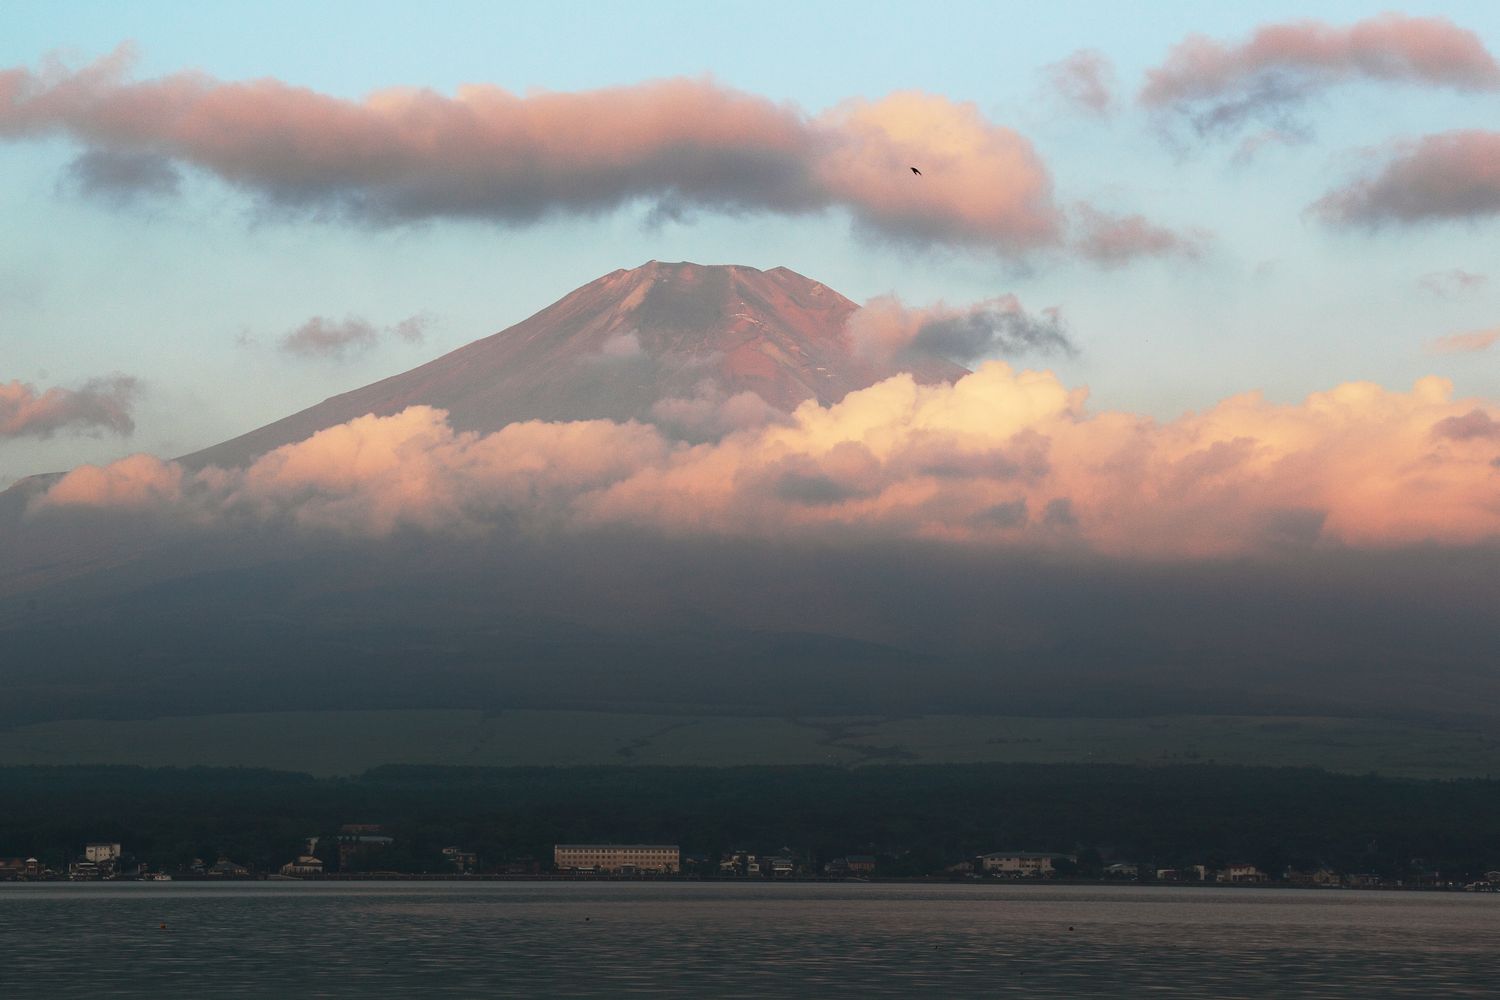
x=366, y=851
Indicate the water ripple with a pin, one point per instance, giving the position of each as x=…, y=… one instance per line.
x=440, y=940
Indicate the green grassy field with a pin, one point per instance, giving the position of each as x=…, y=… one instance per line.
x=338, y=743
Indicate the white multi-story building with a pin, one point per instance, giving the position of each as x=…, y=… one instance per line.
x=617, y=857
x=1242, y=872
x=99, y=853
x=305, y=865
x=1022, y=864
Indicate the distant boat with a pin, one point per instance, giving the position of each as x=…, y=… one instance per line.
x=158, y=877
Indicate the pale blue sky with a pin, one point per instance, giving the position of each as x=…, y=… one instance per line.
x=169, y=290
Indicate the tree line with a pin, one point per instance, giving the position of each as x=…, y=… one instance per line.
x=917, y=818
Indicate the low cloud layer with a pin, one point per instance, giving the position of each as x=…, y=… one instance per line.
x=484, y=153
x=1448, y=176
x=887, y=330
x=100, y=404
x=1218, y=87
x=1000, y=458
x=321, y=337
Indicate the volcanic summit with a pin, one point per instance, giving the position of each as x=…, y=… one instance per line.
x=623, y=347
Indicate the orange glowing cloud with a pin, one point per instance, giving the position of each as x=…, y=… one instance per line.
x=136, y=482
x=981, y=183
x=1465, y=343
x=375, y=474
x=676, y=145
x=999, y=458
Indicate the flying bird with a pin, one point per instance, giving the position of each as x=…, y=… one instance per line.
x=916, y=171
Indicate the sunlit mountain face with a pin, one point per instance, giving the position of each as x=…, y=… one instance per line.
x=662, y=343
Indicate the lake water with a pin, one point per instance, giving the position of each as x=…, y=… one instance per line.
x=574, y=939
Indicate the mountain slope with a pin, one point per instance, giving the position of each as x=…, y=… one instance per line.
x=617, y=348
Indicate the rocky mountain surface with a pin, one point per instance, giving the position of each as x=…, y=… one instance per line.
x=644, y=344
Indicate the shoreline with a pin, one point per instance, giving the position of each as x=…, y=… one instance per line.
x=402, y=878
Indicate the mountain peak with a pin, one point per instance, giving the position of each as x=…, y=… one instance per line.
x=624, y=347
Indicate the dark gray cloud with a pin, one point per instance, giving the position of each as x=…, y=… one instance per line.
x=1471, y=426
x=887, y=330
x=1297, y=527
x=812, y=488
x=998, y=328
x=1217, y=87
x=1011, y=514
x=320, y=337
x=1026, y=460
x=847, y=471
x=1271, y=99
x=100, y=404
x=122, y=176
x=1059, y=513
x=413, y=329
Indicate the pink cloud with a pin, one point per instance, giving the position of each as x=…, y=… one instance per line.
x=1085, y=80
x=1451, y=175
x=1114, y=240
x=100, y=404
x=375, y=475
x=485, y=153
x=907, y=460
x=326, y=338
x=1217, y=85
x=982, y=184
x=1452, y=282
x=321, y=337
x=999, y=458
x=1465, y=343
